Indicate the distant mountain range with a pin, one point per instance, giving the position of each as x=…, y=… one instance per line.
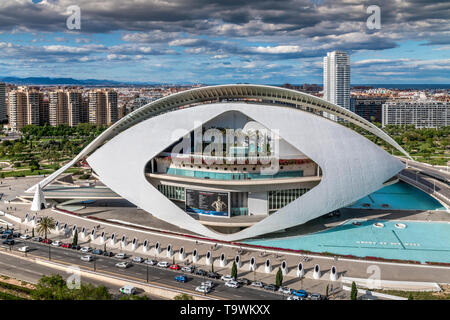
x=68, y=81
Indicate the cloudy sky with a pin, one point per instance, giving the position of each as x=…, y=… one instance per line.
x=228, y=41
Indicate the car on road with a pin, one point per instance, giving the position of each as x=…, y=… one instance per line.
x=77, y=247
x=108, y=254
x=293, y=297
x=6, y=236
x=87, y=258
x=66, y=245
x=25, y=237
x=187, y=269
x=227, y=278
x=56, y=243
x=244, y=282
x=163, y=264
x=8, y=242
x=232, y=284
x=181, y=278
x=123, y=264
x=270, y=287
x=315, y=296
x=37, y=239
x=85, y=249
x=300, y=293
x=257, y=284
x=284, y=290
x=120, y=256
x=9, y=231
x=208, y=283
x=127, y=289
x=137, y=259
x=213, y=275
x=150, y=262
x=16, y=234
x=97, y=251
x=175, y=267
x=203, y=289
x=47, y=241
x=24, y=249
x=200, y=272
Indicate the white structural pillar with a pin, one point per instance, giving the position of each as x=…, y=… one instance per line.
x=237, y=260
x=316, y=274
x=38, y=199
x=57, y=226
x=267, y=266
x=181, y=254
x=333, y=274
x=209, y=258
x=284, y=268
x=34, y=221
x=113, y=239
x=92, y=235
x=157, y=248
x=27, y=218
x=83, y=233
x=145, y=246
x=169, y=251
x=195, y=255
x=134, y=244
x=252, y=265
x=223, y=260
x=123, y=241
x=300, y=270
x=102, y=237
x=74, y=229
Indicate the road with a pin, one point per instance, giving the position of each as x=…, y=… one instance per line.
x=31, y=272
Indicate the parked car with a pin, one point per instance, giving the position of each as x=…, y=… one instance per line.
x=244, y=282
x=56, y=243
x=66, y=245
x=25, y=237
x=24, y=249
x=300, y=293
x=232, y=284
x=9, y=231
x=77, y=247
x=120, y=256
x=175, y=267
x=227, y=278
x=163, y=264
x=187, y=269
x=87, y=258
x=208, y=283
x=284, y=290
x=37, y=239
x=315, y=296
x=97, y=251
x=127, y=289
x=137, y=259
x=108, y=254
x=200, y=272
x=16, y=234
x=257, y=284
x=203, y=289
x=294, y=297
x=181, y=278
x=213, y=275
x=47, y=241
x=150, y=262
x=8, y=242
x=85, y=249
x=123, y=264
x=270, y=287
x=6, y=236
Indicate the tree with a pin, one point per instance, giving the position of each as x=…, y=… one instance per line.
x=45, y=225
x=75, y=238
x=183, y=296
x=354, y=292
x=279, y=278
x=32, y=232
x=410, y=297
x=234, y=270
x=212, y=267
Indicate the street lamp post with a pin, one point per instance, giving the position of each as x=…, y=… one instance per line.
x=147, y=271
x=49, y=255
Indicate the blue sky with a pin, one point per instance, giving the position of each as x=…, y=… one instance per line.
x=200, y=41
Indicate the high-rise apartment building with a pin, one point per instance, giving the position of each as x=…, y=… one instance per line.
x=24, y=107
x=74, y=105
x=103, y=107
x=58, y=108
x=336, y=79
x=3, y=112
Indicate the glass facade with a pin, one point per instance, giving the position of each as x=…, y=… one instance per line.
x=278, y=199
x=232, y=176
x=172, y=192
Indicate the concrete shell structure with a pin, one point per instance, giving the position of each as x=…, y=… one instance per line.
x=352, y=166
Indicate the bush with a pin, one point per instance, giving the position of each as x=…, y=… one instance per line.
x=354, y=292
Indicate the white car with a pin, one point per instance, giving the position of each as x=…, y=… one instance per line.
x=187, y=269
x=85, y=249
x=150, y=262
x=25, y=237
x=257, y=284
x=284, y=290
x=123, y=264
x=232, y=284
x=56, y=243
x=87, y=258
x=294, y=297
x=163, y=264
x=120, y=256
x=137, y=259
x=227, y=278
x=203, y=289
x=207, y=284
x=24, y=249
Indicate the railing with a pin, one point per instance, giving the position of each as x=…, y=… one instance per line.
x=426, y=189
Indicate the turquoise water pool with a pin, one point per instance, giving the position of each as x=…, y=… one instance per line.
x=420, y=241
x=399, y=196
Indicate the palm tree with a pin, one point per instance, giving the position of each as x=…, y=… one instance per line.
x=45, y=225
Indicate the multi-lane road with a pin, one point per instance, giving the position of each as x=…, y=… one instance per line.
x=30, y=271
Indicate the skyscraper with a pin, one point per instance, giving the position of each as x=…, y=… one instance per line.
x=2, y=102
x=24, y=107
x=103, y=107
x=336, y=79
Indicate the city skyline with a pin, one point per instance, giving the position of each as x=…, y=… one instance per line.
x=192, y=42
